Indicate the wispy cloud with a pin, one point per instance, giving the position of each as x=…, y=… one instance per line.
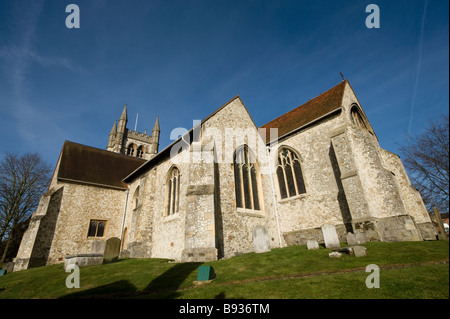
x=16, y=57
x=22, y=57
x=419, y=62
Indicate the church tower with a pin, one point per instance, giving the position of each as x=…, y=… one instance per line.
x=133, y=143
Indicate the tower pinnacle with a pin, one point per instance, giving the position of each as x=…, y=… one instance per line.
x=124, y=114
x=156, y=126
x=133, y=143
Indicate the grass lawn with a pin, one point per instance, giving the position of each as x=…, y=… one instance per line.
x=407, y=270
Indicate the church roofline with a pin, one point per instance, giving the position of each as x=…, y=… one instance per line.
x=316, y=109
x=75, y=181
x=308, y=112
x=94, y=166
x=282, y=137
x=158, y=156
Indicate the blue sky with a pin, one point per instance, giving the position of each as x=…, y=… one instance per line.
x=181, y=60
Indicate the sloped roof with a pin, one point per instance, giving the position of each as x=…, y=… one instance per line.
x=166, y=151
x=312, y=110
x=306, y=113
x=90, y=165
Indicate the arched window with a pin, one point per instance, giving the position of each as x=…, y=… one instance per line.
x=173, y=191
x=130, y=149
x=289, y=173
x=246, y=179
x=357, y=118
x=136, y=198
x=140, y=151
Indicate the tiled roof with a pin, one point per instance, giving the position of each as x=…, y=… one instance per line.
x=308, y=112
x=81, y=163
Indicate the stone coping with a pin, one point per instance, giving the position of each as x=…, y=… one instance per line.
x=83, y=255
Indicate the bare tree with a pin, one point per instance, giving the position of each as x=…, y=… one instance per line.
x=22, y=182
x=426, y=157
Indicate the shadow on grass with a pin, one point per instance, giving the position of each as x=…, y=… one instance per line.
x=221, y=295
x=164, y=286
x=168, y=282
x=118, y=289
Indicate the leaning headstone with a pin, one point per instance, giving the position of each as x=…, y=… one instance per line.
x=359, y=251
x=112, y=249
x=361, y=238
x=312, y=244
x=351, y=239
x=261, y=241
x=330, y=236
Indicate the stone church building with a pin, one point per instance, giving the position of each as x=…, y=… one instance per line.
x=228, y=187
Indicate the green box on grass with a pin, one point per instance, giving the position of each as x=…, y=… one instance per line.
x=205, y=273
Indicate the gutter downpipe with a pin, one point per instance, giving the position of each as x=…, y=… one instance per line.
x=274, y=197
x=123, y=216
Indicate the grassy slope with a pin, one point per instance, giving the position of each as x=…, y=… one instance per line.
x=291, y=272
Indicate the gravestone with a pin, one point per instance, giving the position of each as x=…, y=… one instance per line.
x=112, y=250
x=261, y=241
x=330, y=236
x=312, y=244
x=361, y=238
x=351, y=239
x=359, y=251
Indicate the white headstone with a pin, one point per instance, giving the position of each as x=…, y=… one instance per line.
x=330, y=236
x=359, y=251
x=312, y=244
x=361, y=238
x=261, y=241
x=351, y=239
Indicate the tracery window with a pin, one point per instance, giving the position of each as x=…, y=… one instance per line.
x=357, y=118
x=289, y=173
x=246, y=179
x=173, y=191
